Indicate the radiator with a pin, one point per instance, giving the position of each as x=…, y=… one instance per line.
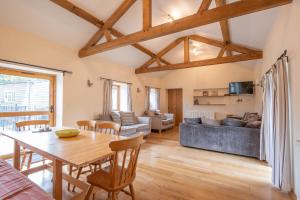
x=198, y=113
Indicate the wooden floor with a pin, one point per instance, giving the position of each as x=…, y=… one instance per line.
x=167, y=170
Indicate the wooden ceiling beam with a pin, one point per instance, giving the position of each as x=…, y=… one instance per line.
x=227, y=11
x=204, y=6
x=121, y=10
x=147, y=14
x=99, y=23
x=168, y=48
x=186, y=50
x=207, y=62
x=221, y=53
x=224, y=25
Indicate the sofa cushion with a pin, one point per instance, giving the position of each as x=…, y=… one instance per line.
x=253, y=124
x=234, y=122
x=251, y=117
x=116, y=117
x=132, y=129
x=128, y=118
x=166, y=122
x=193, y=120
x=212, y=122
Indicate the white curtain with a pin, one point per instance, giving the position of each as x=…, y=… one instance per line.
x=275, y=134
x=158, y=98
x=107, y=97
x=129, y=97
x=147, y=98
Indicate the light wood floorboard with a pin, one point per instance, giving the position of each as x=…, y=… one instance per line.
x=168, y=171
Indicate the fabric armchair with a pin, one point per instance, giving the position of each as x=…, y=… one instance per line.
x=163, y=122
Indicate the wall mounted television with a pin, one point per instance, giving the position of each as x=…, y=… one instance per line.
x=246, y=87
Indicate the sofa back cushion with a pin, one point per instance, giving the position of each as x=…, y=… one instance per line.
x=212, y=122
x=193, y=120
x=116, y=117
x=128, y=118
x=234, y=122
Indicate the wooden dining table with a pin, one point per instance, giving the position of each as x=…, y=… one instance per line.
x=88, y=147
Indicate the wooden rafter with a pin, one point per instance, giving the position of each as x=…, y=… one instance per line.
x=147, y=14
x=224, y=26
x=204, y=6
x=207, y=62
x=245, y=53
x=186, y=49
x=99, y=23
x=110, y=22
x=217, y=14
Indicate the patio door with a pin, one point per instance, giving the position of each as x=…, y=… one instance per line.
x=26, y=96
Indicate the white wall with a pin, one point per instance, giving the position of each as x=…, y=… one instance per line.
x=217, y=76
x=285, y=34
x=79, y=101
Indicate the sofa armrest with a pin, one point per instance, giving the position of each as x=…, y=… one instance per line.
x=144, y=120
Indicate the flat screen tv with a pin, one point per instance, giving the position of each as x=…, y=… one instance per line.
x=241, y=87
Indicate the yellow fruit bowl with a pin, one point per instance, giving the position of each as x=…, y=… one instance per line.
x=66, y=133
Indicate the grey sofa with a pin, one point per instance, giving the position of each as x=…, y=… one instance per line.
x=143, y=125
x=234, y=140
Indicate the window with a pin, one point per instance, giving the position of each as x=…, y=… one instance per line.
x=120, y=97
x=154, y=98
x=25, y=96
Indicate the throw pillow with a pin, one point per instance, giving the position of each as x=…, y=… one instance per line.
x=251, y=117
x=193, y=120
x=234, y=122
x=212, y=122
x=253, y=124
x=128, y=118
x=116, y=117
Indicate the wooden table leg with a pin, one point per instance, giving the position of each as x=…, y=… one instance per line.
x=57, y=179
x=17, y=156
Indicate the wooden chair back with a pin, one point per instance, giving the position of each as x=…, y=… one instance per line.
x=87, y=125
x=27, y=125
x=125, y=158
x=108, y=127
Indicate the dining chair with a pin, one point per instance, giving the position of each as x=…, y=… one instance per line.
x=30, y=125
x=87, y=125
x=108, y=127
x=103, y=127
x=121, y=174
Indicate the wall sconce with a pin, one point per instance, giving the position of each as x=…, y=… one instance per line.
x=138, y=90
x=89, y=83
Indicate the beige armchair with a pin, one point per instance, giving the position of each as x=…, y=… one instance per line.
x=162, y=122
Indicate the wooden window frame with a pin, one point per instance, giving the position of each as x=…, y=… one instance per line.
x=52, y=95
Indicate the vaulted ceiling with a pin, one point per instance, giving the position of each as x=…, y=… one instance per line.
x=54, y=23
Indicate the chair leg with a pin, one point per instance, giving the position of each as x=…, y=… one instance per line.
x=70, y=174
x=77, y=177
x=23, y=160
x=132, y=191
x=29, y=160
x=88, y=194
x=113, y=196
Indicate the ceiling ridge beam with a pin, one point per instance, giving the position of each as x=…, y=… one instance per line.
x=99, y=23
x=117, y=14
x=207, y=62
x=227, y=11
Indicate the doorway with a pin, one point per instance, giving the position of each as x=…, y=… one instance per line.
x=175, y=104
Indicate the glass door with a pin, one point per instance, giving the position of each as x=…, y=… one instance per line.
x=26, y=96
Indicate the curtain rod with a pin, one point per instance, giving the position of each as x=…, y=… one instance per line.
x=283, y=55
x=37, y=66
x=152, y=87
x=102, y=78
